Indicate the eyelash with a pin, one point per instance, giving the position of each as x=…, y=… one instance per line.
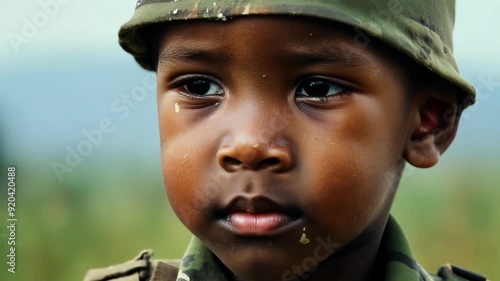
x=182, y=81
x=342, y=92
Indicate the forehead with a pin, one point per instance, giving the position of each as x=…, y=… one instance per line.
x=276, y=36
x=246, y=24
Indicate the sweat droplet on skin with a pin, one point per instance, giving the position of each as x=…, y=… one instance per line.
x=303, y=239
x=177, y=108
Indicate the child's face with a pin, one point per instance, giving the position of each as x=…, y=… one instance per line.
x=270, y=125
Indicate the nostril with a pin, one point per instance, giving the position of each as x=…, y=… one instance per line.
x=266, y=163
x=270, y=162
x=245, y=156
x=231, y=161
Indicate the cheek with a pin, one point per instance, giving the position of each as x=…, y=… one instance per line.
x=346, y=173
x=188, y=190
x=179, y=175
x=346, y=197
x=185, y=165
x=178, y=182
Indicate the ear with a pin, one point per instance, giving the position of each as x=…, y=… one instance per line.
x=436, y=117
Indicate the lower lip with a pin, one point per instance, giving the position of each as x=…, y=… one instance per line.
x=258, y=224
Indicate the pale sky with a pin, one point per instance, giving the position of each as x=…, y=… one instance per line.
x=91, y=25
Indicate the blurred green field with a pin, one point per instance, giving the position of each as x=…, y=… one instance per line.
x=101, y=216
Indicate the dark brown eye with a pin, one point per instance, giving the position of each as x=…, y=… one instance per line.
x=202, y=87
x=315, y=87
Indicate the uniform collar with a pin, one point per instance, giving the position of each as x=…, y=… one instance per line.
x=400, y=263
x=200, y=264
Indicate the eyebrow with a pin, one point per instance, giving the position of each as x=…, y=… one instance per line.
x=320, y=54
x=189, y=54
x=332, y=54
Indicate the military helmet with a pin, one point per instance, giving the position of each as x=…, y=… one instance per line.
x=420, y=29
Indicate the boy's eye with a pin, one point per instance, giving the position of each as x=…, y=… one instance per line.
x=201, y=87
x=318, y=88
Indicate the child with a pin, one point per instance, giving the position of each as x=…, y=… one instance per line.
x=285, y=127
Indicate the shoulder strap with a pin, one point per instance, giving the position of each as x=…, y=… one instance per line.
x=454, y=273
x=164, y=270
x=141, y=268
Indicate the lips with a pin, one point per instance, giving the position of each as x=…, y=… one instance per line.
x=258, y=223
x=258, y=216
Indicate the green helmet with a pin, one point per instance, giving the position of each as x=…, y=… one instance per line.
x=422, y=30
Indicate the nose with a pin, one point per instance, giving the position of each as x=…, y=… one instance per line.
x=236, y=154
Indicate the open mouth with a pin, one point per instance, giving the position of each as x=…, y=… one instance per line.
x=258, y=216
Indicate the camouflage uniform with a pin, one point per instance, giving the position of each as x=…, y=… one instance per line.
x=421, y=31
x=198, y=264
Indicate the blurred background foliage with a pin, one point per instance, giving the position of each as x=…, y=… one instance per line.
x=67, y=78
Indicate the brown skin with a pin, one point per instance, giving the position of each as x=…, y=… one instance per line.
x=241, y=129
